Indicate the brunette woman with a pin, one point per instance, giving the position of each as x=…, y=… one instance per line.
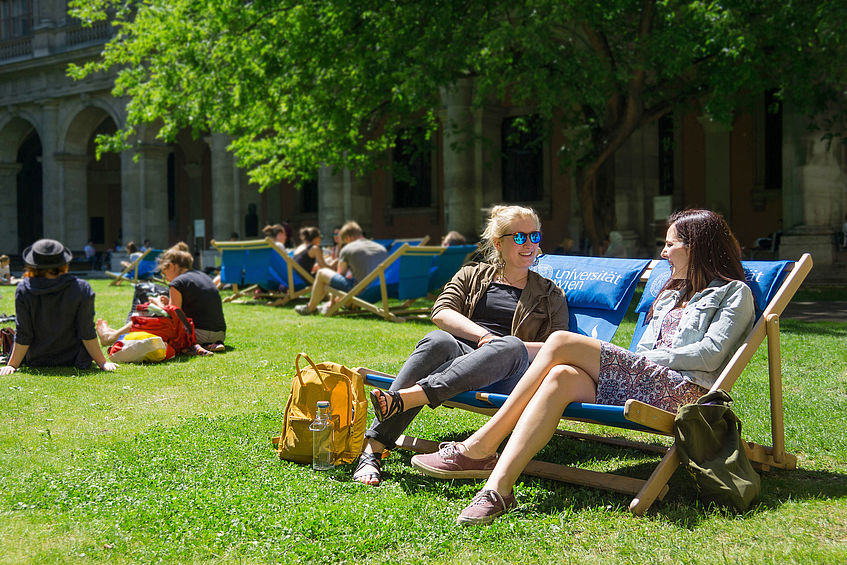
x=55, y=314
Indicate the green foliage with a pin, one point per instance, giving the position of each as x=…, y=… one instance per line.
x=301, y=84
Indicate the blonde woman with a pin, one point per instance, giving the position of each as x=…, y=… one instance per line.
x=492, y=317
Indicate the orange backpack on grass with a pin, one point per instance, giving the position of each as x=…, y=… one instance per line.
x=348, y=405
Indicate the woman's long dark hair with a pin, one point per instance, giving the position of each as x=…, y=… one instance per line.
x=714, y=252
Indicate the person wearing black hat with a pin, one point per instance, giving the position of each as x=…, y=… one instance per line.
x=54, y=314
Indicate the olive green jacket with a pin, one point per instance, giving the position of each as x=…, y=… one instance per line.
x=542, y=308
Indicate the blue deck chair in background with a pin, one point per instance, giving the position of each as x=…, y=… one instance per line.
x=773, y=285
x=143, y=268
x=403, y=275
x=263, y=267
x=395, y=244
x=232, y=269
x=447, y=264
x=384, y=242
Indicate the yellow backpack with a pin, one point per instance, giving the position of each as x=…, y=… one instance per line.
x=348, y=405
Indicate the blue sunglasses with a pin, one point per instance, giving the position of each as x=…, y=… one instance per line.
x=520, y=237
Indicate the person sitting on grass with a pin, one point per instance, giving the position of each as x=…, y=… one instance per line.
x=5, y=271
x=191, y=290
x=358, y=255
x=698, y=320
x=54, y=314
x=492, y=319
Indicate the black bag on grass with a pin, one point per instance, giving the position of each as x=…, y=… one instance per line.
x=144, y=291
x=708, y=437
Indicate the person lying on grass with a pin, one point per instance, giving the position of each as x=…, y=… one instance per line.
x=698, y=320
x=492, y=319
x=191, y=290
x=54, y=314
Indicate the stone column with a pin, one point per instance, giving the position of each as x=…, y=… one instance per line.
x=225, y=215
x=718, y=172
x=52, y=181
x=154, y=183
x=342, y=197
x=814, y=185
x=132, y=199
x=485, y=159
x=331, y=210
x=9, y=206
x=66, y=209
x=461, y=202
x=144, y=196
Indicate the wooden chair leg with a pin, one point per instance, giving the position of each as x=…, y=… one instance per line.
x=657, y=484
x=775, y=382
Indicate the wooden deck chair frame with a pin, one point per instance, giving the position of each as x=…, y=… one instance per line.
x=381, y=307
x=291, y=267
x=132, y=267
x=638, y=415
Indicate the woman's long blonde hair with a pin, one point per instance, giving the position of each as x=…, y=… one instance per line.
x=498, y=224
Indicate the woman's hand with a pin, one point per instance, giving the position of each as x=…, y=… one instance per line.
x=485, y=339
x=7, y=370
x=109, y=366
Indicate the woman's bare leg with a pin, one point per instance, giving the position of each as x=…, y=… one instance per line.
x=562, y=385
x=107, y=335
x=561, y=348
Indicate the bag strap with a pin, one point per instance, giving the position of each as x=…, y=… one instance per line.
x=184, y=319
x=312, y=363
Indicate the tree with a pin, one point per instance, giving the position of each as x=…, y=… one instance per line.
x=303, y=84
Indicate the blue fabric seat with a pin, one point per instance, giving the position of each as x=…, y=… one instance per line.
x=261, y=266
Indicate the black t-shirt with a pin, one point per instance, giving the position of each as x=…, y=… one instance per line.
x=201, y=301
x=496, y=308
x=304, y=259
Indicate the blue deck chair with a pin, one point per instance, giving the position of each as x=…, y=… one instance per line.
x=762, y=276
x=395, y=244
x=447, y=264
x=599, y=289
x=773, y=285
x=262, y=265
x=143, y=268
x=403, y=275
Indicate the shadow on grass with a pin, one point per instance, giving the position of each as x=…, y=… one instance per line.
x=681, y=506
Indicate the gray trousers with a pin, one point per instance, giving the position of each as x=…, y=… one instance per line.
x=444, y=367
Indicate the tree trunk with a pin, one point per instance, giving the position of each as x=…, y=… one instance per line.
x=595, y=185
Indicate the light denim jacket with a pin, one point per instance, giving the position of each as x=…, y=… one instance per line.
x=713, y=324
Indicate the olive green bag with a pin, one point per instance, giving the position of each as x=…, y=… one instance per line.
x=708, y=437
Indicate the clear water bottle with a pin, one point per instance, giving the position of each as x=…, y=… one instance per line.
x=322, y=437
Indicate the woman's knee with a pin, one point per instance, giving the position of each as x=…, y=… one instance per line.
x=437, y=341
x=569, y=381
x=559, y=338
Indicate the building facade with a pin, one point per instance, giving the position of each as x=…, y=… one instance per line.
x=766, y=173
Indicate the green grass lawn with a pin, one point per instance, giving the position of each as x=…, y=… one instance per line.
x=172, y=463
